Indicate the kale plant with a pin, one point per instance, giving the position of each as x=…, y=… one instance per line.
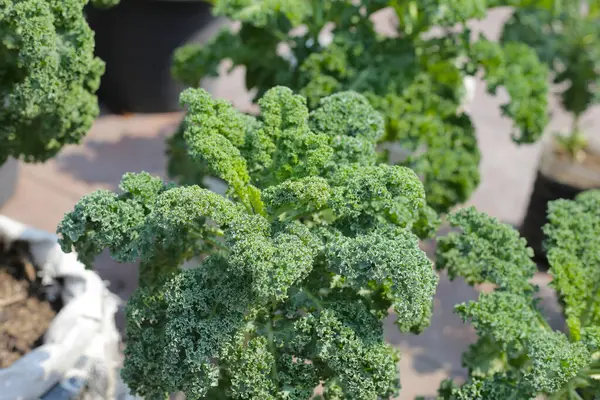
x=518, y=355
x=48, y=77
x=294, y=268
x=414, y=78
x=566, y=36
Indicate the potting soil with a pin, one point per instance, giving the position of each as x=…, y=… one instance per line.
x=25, y=314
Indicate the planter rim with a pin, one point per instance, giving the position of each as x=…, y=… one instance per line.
x=566, y=171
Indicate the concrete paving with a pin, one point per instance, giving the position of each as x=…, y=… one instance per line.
x=119, y=144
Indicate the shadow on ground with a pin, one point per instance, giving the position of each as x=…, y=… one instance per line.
x=103, y=162
x=439, y=347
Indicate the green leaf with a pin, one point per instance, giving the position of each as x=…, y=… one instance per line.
x=48, y=77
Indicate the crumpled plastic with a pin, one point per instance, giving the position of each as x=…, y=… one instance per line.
x=81, y=347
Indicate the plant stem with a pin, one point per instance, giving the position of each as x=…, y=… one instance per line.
x=216, y=244
x=208, y=240
x=543, y=321
x=594, y=295
x=318, y=22
x=576, y=139
x=362, y=76
x=274, y=372
x=575, y=142
x=313, y=298
x=575, y=124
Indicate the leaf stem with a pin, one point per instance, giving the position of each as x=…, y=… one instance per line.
x=313, y=298
x=270, y=339
x=588, y=307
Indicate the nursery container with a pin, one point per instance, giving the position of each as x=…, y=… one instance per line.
x=79, y=350
x=136, y=39
x=9, y=172
x=558, y=177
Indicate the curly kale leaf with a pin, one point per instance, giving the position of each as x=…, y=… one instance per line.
x=565, y=38
x=310, y=194
x=478, y=253
x=449, y=179
x=506, y=318
x=517, y=68
x=355, y=129
x=336, y=138
x=496, y=388
x=204, y=307
x=365, y=370
x=573, y=244
x=289, y=276
x=517, y=354
x=175, y=335
x=104, y=219
x=377, y=191
x=180, y=166
x=533, y=27
x=511, y=321
x=555, y=361
x=212, y=131
x=274, y=258
x=193, y=62
x=356, y=199
x=427, y=127
x=366, y=258
x=48, y=77
x=579, y=56
x=251, y=366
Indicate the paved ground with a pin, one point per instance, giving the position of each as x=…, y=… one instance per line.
x=119, y=144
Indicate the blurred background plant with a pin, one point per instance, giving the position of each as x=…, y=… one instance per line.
x=566, y=36
x=518, y=355
x=48, y=82
x=48, y=77
x=415, y=77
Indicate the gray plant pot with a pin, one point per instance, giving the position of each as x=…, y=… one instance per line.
x=136, y=39
x=9, y=172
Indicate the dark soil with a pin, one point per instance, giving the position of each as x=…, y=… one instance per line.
x=25, y=314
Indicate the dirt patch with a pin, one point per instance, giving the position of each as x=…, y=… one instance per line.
x=25, y=314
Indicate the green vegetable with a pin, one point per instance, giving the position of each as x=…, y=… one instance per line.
x=518, y=355
x=413, y=78
x=48, y=77
x=297, y=265
x=573, y=243
x=567, y=38
x=104, y=3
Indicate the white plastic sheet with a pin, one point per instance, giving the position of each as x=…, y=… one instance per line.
x=81, y=344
